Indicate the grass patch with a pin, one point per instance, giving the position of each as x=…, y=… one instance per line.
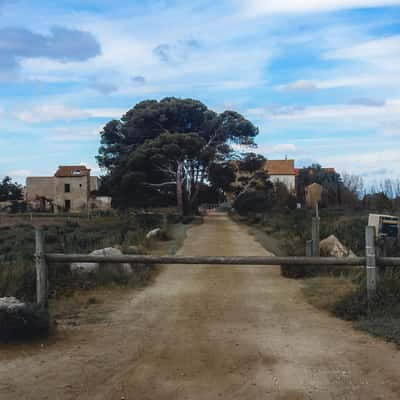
x=324, y=292
x=346, y=298
x=17, y=273
x=87, y=306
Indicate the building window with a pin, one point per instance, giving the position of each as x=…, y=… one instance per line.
x=67, y=205
x=67, y=188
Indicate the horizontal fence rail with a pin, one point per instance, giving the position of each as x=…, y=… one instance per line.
x=370, y=262
x=219, y=260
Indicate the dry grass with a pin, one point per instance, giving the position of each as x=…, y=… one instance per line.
x=325, y=291
x=347, y=299
x=88, y=306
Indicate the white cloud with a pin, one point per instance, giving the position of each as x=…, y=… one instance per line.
x=378, y=164
x=215, y=60
x=298, y=86
x=74, y=133
x=372, y=50
x=390, y=129
x=20, y=173
x=343, y=113
x=59, y=112
x=106, y=112
x=281, y=148
x=255, y=8
x=46, y=113
x=369, y=63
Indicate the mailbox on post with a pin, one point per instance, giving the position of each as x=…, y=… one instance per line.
x=386, y=226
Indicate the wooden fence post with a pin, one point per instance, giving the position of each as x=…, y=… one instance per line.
x=165, y=222
x=309, y=248
x=315, y=236
x=371, y=260
x=41, y=269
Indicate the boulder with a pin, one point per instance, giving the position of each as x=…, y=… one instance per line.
x=332, y=247
x=154, y=234
x=87, y=267
x=9, y=303
x=21, y=321
x=133, y=250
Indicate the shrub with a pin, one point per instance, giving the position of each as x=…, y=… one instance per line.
x=386, y=302
x=18, y=280
x=254, y=201
x=25, y=322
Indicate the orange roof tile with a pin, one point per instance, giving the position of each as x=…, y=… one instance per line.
x=72, y=171
x=280, y=167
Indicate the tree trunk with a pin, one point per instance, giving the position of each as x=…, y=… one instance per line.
x=179, y=188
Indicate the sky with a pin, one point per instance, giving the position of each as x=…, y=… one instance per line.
x=320, y=78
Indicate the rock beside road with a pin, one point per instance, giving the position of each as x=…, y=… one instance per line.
x=332, y=247
x=88, y=267
x=22, y=321
x=154, y=234
x=9, y=303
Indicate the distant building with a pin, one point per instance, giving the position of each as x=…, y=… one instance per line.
x=282, y=171
x=71, y=189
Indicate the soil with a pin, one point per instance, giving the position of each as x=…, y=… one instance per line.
x=209, y=332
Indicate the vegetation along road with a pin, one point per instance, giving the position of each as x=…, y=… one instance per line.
x=211, y=333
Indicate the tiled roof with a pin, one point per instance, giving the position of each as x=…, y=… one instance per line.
x=280, y=167
x=72, y=171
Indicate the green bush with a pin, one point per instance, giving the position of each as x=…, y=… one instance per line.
x=253, y=201
x=386, y=302
x=23, y=323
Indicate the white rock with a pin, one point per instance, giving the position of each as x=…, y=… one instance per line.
x=94, y=267
x=332, y=247
x=153, y=233
x=10, y=303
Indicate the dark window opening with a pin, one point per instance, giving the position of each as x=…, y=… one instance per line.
x=67, y=187
x=67, y=205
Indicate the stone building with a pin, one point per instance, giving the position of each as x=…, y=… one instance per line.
x=69, y=190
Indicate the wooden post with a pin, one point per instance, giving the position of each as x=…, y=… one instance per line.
x=371, y=260
x=41, y=269
x=165, y=222
x=315, y=236
x=309, y=248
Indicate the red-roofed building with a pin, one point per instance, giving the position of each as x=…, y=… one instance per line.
x=282, y=171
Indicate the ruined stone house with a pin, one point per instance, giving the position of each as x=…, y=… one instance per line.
x=71, y=189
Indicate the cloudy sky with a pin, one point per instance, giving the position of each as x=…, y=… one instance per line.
x=321, y=78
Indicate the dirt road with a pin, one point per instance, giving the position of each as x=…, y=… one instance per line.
x=211, y=333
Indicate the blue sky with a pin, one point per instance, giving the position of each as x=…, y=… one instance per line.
x=321, y=79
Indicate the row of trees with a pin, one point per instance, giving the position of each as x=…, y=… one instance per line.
x=9, y=190
x=348, y=190
x=178, y=151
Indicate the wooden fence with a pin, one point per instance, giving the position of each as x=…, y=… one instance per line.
x=372, y=263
